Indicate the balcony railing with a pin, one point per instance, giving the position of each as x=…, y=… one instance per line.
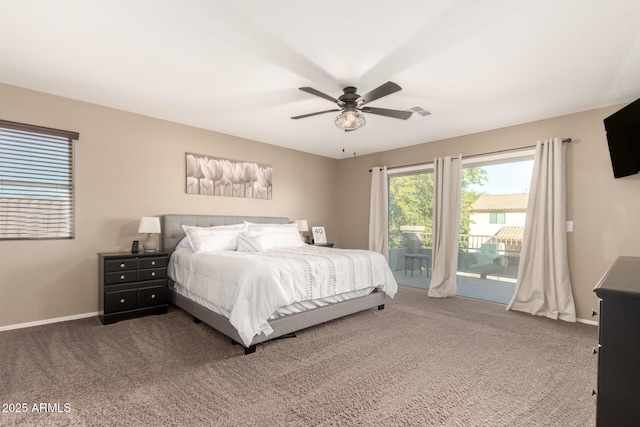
x=479, y=255
x=508, y=246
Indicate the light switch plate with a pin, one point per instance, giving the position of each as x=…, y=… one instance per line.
x=569, y=226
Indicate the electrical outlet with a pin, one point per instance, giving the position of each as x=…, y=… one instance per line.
x=569, y=226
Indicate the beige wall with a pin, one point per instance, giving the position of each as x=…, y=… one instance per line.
x=128, y=166
x=605, y=211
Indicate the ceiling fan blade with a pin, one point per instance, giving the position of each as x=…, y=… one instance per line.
x=315, y=92
x=396, y=114
x=383, y=90
x=315, y=114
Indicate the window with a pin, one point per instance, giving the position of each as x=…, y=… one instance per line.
x=36, y=182
x=497, y=218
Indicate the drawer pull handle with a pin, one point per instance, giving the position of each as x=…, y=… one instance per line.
x=153, y=263
x=122, y=277
x=122, y=265
x=593, y=313
x=153, y=273
x=153, y=296
x=122, y=301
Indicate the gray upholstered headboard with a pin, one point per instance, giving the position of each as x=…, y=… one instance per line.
x=172, y=231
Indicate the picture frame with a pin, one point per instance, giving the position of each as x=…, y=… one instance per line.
x=319, y=235
x=216, y=176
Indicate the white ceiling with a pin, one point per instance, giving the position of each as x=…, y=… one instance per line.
x=234, y=67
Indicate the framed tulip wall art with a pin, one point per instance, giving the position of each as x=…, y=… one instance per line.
x=214, y=176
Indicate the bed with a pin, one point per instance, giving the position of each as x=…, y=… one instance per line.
x=248, y=322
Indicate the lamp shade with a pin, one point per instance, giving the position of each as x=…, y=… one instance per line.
x=149, y=224
x=302, y=225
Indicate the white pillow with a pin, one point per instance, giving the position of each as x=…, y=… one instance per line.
x=271, y=227
x=273, y=236
x=184, y=243
x=207, y=239
x=282, y=240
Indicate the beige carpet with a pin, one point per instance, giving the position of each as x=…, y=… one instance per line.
x=420, y=362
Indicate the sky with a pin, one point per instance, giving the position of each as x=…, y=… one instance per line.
x=507, y=178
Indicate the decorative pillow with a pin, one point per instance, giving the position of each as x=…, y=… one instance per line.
x=207, y=239
x=250, y=242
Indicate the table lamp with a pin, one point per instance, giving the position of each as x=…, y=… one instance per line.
x=149, y=225
x=302, y=227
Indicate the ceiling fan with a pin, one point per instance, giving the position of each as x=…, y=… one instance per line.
x=352, y=105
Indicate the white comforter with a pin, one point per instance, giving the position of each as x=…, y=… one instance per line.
x=251, y=286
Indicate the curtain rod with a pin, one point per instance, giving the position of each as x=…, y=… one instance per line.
x=566, y=140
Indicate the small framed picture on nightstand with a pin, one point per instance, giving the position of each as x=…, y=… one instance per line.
x=319, y=235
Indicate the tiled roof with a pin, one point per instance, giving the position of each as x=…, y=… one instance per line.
x=510, y=232
x=501, y=203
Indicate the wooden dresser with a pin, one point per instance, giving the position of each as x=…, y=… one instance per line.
x=132, y=285
x=618, y=399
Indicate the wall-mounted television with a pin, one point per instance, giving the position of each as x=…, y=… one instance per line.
x=623, y=136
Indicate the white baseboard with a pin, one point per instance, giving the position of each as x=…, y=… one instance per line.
x=588, y=322
x=47, y=321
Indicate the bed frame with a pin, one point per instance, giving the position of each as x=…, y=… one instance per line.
x=283, y=327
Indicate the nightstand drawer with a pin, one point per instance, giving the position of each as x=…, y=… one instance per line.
x=120, y=301
x=157, y=273
x=120, y=265
x=152, y=296
x=156, y=262
x=120, y=277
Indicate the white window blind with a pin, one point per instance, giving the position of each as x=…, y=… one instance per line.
x=36, y=182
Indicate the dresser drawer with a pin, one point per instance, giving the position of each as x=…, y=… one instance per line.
x=156, y=273
x=153, y=295
x=120, y=265
x=120, y=301
x=120, y=277
x=155, y=262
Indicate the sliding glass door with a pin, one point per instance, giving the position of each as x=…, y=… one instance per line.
x=494, y=201
x=492, y=227
x=410, y=211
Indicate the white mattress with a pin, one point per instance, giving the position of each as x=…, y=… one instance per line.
x=250, y=288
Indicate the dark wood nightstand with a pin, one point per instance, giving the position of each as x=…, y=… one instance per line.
x=132, y=285
x=328, y=245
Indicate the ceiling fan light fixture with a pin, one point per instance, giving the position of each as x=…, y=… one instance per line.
x=350, y=120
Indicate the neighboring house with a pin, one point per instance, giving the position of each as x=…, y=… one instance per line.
x=498, y=218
